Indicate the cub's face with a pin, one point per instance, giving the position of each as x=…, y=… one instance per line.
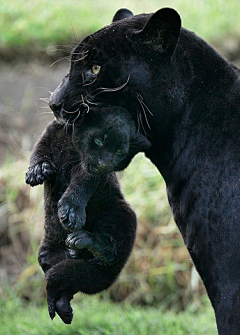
x=127, y=63
x=107, y=140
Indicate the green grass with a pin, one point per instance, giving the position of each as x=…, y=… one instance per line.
x=42, y=24
x=94, y=317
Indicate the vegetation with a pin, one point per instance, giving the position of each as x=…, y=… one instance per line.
x=95, y=317
x=42, y=25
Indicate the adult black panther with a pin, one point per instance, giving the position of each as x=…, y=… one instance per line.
x=187, y=99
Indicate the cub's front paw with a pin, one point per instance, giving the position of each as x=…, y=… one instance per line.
x=71, y=213
x=38, y=173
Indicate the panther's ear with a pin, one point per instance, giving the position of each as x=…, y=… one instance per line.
x=122, y=13
x=161, y=31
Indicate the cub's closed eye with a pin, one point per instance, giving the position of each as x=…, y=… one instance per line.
x=96, y=69
x=98, y=142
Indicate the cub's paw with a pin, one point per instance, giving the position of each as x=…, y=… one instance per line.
x=103, y=250
x=60, y=305
x=38, y=173
x=71, y=214
x=79, y=240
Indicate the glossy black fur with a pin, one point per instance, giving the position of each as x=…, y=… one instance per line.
x=186, y=97
x=90, y=205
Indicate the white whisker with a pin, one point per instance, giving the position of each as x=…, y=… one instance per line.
x=106, y=89
x=91, y=103
x=90, y=83
x=59, y=60
x=145, y=104
x=84, y=104
x=71, y=112
x=143, y=109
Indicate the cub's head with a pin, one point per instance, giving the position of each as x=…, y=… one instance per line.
x=107, y=139
x=125, y=64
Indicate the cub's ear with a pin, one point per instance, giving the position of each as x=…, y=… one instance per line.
x=122, y=13
x=161, y=31
x=140, y=143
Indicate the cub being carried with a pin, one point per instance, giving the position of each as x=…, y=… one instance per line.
x=89, y=227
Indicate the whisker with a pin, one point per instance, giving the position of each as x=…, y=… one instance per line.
x=73, y=123
x=143, y=109
x=67, y=125
x=91, y=103
x=84, y=104
x=71, y=112
x=91, y=82
x=139, y=125
x=59, y=60
x=43, y=113
x=44, y=100
x=141, y=122
x=79, y=59
x=105, y=89
x=83, y=54
x=145, y=104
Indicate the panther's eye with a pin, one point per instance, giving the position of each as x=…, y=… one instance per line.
x=96, y=69
x=98, y=141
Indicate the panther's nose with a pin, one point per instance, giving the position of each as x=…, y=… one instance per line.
x=55, y=107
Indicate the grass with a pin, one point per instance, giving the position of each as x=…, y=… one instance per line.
x=95, y=317
x=43, y=24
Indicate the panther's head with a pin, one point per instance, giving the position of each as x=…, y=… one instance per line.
x=120, y=65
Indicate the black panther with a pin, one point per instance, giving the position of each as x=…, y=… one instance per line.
x=89, y=227
x=186, y=98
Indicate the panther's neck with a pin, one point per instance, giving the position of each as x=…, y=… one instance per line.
x=209, y=106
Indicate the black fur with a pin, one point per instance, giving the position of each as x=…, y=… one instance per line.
x=186, y=97
x=89, y=259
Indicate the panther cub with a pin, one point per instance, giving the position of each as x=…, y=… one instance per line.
x=80, y=191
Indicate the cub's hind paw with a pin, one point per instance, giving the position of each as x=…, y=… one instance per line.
x=38, y=173
x=104, y=250
x=71, y=214
x=64, y=309
x=79, y=240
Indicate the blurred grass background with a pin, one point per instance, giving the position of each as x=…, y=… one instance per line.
x=159, y=274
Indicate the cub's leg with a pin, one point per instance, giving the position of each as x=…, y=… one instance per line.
x=71, y=206
x=52, y=253
x=110, y=239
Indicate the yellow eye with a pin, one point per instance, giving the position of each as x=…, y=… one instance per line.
x=96, y=69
